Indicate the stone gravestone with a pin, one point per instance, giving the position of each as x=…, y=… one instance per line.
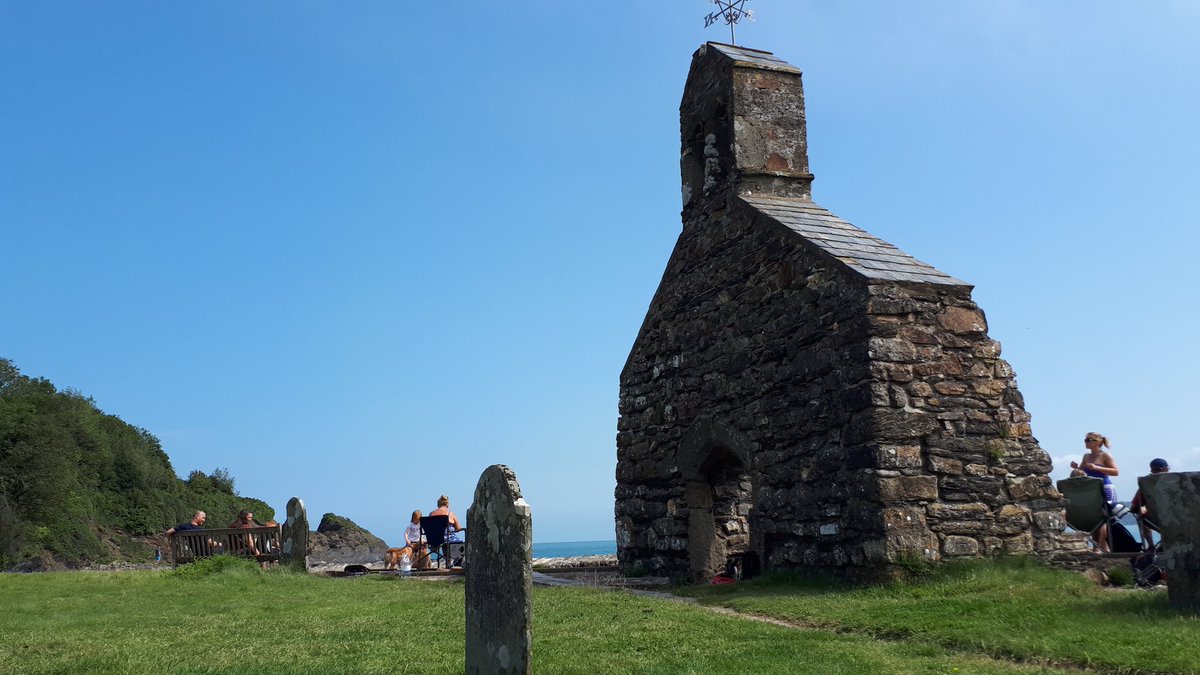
x=499, y=569
x=1175, y=497
x=295, y=533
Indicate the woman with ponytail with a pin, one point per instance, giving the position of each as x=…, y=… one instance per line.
x=246, y=519
x=1098, y=463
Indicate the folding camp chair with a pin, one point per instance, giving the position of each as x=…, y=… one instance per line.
x=1149, y=520
x=1087, y=510
x=434, y=529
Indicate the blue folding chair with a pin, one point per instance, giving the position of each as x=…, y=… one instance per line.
x=435, y=529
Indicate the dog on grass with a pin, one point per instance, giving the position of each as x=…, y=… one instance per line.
x=392, y=557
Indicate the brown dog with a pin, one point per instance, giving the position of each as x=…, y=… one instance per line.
x=421, y=556
x=392, y=557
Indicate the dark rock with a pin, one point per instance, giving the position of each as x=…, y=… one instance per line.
x=340, y=539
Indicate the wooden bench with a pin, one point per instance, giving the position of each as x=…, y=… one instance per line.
x=190, y=545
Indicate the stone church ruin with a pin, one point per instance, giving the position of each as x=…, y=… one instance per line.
x=801, y=393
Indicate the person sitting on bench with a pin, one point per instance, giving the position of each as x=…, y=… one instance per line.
x=196, y=523
x=246, y=519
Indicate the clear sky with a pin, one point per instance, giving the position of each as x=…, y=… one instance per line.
x=359, y=251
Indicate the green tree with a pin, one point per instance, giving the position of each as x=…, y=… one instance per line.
x=69, y=472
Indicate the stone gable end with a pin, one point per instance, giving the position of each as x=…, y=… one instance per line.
x=801, y=393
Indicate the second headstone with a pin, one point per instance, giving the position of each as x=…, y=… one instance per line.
x=499, y=571
x=295, y=533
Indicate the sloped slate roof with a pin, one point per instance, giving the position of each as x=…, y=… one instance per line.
x=754, y=57
x=870, y=256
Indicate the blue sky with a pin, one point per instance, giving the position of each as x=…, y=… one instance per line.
x=357, y=252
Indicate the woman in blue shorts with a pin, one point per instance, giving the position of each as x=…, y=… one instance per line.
x=1098, y=463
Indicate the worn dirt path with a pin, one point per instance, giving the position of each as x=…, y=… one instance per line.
x=543, y=579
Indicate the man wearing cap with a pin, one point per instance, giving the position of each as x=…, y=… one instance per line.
x=1138, y=505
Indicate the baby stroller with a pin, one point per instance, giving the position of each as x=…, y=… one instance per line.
x=1120, y=539
x=1147, y=570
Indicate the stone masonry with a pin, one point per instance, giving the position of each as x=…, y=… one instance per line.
x=801, y=392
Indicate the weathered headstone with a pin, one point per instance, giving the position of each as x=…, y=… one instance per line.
x=295, y=533
x=1175, y=498
x=499, y=570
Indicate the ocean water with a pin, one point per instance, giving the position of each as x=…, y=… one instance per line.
x=567, y=549
x=1130, y=523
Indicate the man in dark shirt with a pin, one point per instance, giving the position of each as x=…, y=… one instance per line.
x=1138, y=505
x=197, y=523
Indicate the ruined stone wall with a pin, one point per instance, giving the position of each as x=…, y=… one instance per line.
x=960, y=472
x=746, y=346
x=800, y=390
x=875, y=422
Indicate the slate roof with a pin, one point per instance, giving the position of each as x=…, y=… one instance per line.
x=870, y=256
x=754, y=58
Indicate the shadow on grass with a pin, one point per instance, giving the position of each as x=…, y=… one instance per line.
x=946, y=574
x=1011, y=608
x=1011, y=579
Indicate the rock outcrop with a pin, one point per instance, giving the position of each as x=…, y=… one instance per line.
x=340, y=539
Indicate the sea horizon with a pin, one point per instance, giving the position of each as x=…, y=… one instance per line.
x=571, y=549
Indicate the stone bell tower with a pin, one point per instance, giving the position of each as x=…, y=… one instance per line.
x=801, y=393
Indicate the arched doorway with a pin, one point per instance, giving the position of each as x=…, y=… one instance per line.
x=719, y=504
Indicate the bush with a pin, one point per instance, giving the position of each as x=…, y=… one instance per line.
x=1120, y=576
x=222, y=481
x=915, y=566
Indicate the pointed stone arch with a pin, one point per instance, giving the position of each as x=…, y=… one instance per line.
x=716, y=464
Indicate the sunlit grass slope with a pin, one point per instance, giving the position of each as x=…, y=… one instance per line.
x=225, y=617
x=1013, y=609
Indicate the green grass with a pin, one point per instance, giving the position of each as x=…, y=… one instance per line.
x=225, y=616
x=1014, y=609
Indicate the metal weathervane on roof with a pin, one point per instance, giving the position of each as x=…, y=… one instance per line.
x=731, y=12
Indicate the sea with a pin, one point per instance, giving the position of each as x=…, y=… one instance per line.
x=1130, y=523
x=572, y=549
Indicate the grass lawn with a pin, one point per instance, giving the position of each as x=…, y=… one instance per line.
x=1012, y=609
x=228, y=617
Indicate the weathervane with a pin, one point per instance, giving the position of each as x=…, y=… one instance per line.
x=731, y=11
